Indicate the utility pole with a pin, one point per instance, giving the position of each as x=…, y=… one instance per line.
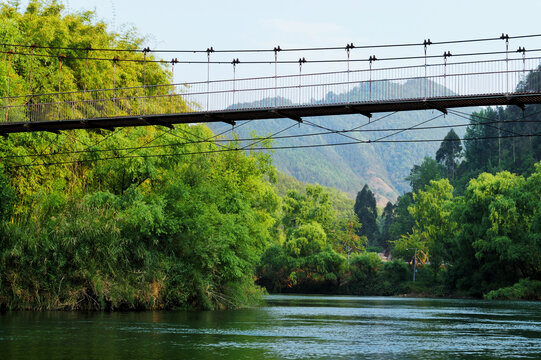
x=414, y=264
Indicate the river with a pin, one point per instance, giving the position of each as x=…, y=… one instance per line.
x=288, y=327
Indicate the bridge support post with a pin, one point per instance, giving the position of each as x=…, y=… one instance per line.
x=209, y=51
x=348, y=49
x=506, y=38
x=276, y=49
x=60, y=60
x=301, y=61
x=10, y=52
x=426, y=43
x=145, y=51
x=234, y=62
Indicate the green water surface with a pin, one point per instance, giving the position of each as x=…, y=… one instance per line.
x=288, y=327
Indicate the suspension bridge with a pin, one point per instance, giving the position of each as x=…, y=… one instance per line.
x=387, y=84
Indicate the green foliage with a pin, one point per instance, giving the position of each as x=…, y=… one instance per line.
x=7, y=197
x=274, y=269
x=525, y=289
x=421, y=175
x=364, y=269
x=315, y=206
x=47, y=25
x=316, y=234
x=487, y=235
x=307, y=239
x=366, y=211
x=161, y=230
x=370, y=276
x=389, y=216
x=497, y=239
x=188, y=236
x=449, y=152
x=403, y=221
x=486, y=239
x=433, y=224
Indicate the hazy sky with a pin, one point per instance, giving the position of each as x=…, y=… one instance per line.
x=199, y=24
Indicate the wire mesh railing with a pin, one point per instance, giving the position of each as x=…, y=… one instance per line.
x=372, y=85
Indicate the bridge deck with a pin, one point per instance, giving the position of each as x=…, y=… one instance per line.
x=467, y=83
x=294, y=112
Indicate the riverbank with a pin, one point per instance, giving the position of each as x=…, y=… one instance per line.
x=384, y=282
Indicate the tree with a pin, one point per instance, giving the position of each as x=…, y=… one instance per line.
x=433, y=223
x=348, y=241
x=498, y=236
x=403, y=222
x=449, y=152
x=366, y=210
x=307, y=239
x=314, y=206
x=420, y=175
x=389, y=217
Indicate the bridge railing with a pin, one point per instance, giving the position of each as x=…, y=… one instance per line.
x=376, y=84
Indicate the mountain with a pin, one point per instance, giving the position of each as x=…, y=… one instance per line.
x=383, y=166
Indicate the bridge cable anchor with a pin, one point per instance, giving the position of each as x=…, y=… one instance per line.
x=446, y=54
x=301, y=61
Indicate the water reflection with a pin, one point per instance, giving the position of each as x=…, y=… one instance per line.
x=289, y=327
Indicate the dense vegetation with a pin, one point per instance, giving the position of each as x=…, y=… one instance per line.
x=470, y=224
x=152, y=218
x=159, y=227
x=476, y=209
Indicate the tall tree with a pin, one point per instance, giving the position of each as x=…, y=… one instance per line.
x=366, y=210
x=389, y=217
x=403, y=221
x=449, y=152
x=420, y=175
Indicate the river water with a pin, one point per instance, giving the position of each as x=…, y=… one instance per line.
x=288, y=327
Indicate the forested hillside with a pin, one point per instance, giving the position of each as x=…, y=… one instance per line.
x=383, y=166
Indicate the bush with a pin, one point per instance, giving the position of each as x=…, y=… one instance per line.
x=364, y=270
x=525, y=289
x=396, y=271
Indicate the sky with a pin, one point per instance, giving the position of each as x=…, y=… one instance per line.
x=199, y=24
